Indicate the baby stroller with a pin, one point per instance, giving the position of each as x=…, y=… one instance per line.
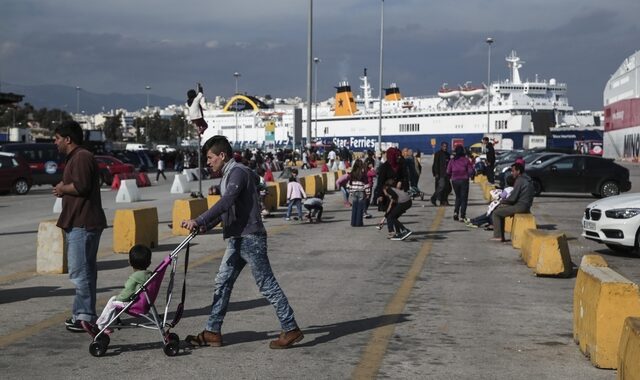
x=414, y=192
x=142, y=306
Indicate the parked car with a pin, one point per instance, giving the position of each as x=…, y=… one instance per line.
x=614, y=222
x=15, y=174
x=580, y=174
x=140, y=159
x=501, y=172
x=110, y=166
x=46, y=163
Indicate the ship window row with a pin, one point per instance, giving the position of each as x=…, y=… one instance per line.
x=414, y=127
x=375, y=117
x=500, y=124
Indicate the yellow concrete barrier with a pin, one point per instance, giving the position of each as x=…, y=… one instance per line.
x=135, y=226
x=554, y=258
x=508, y=223
x=51, y=255
x=312, y=184
x=303, y=182
x=281, y=190
x=592, y=260
x=480, y=179
x=271, y=199
x=629, y=350
x=606, y=300
x=330, y=181
x=184, y=209
x=521, y=223
x=486, y=189
x=212, y=199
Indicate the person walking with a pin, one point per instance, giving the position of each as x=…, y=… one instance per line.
x=161, y=166
x=82, y=219
x=359, y=192
x=391, y=169
x=439, y=171
x=460, y=169
x=246, y=236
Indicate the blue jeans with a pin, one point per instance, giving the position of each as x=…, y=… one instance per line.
x=250, y=249
x=358, y=207
x=298, y=203
x=82, y=252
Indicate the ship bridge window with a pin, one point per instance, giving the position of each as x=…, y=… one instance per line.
x=413, y=127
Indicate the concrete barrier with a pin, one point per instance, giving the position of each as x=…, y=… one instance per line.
x=592, y=260
x=547, y=252
x=508, y=223
x=180, y=185
x=312, y=184
x=51, y=255
x=135, y=226
x=480, y=179
x=281, y=191
x=212, y=199
x=184, y=209
x=303, y=182
x=128, y=192
x=330, y=181
x=521, y=223
x=271, y=199
x=486, y=190
x=606, y=299
x=629, y=350
x=191, y=174
x=57, y=206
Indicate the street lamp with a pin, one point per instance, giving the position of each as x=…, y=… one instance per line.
x=148, y=89
x=235, y=104
x=78, y=99
x=310, y=61
x=316, y=60
x=380, y=84
x=489, y=42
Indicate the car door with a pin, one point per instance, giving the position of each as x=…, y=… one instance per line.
x=565, y=175
x=7, y=172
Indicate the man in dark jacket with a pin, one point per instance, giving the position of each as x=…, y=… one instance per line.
x=518, y=202
x=439, y=170
x=491, y=158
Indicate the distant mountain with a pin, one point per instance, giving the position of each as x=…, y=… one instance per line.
x=65, y=98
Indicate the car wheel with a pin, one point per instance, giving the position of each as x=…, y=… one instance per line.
x=609, y=189
x=537, y=187
x=21, y=186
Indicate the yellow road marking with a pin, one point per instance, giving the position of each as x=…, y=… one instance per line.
x=58, y=319
x=371, y=359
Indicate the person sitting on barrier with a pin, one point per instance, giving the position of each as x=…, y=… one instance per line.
x=139, y=259
x=497, y=195
x=295, y=194
x=518, y=202
x=399, y=202
x=314, y=207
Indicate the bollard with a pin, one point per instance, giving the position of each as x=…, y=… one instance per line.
x=51, y=255
x=179, y=185
x=135, y=226
x=128, y=192
x=184, y=209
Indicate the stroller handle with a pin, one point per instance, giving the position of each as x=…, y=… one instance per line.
x=186, y=241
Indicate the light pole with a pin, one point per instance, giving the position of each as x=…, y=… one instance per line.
x=489, y=42
x=148, y=89
x=235, y=104
x=316, y=60
x=310, y=61
x=78, y=99
x=380, y=84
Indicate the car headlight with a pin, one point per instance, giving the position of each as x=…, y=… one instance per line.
x=622, y=213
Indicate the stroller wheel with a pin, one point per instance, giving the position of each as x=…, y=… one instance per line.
x=98, y=348
x=172, y=347
x=172, y=337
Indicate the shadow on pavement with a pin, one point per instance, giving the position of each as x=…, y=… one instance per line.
x=113, y=264
x=18, y=233
x=22, y=294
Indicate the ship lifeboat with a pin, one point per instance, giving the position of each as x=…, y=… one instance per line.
x=446, y=93
x=469, y=91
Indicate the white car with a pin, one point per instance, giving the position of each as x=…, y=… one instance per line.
x=614, y=221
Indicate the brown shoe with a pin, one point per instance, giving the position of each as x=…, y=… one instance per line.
x=287, y=339
x=205, y=338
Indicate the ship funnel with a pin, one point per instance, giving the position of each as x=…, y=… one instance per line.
x=392, y=93
x=345, y=105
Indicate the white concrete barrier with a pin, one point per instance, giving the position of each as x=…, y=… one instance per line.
x=57, y=206
x=51, y=255
x=191, y=174
x=128, y=192
x=180, y=185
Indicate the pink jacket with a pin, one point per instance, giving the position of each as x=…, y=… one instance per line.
x=295, y=191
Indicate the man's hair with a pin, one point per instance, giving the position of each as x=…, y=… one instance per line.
x=191, y=94
x=444, y=143
x=518, y=166
x=218, y=144
x=320, y=195
x=72, y=130
x=140, y=257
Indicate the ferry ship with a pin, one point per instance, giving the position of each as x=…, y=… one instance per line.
x=457, y=115
x=622, y=111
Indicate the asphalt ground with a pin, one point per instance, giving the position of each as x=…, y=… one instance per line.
x=444, y=304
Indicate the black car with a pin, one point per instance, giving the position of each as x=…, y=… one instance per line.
x=531, y=159
x=580, y=174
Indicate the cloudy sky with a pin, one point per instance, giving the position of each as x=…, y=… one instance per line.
x=123, y=45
